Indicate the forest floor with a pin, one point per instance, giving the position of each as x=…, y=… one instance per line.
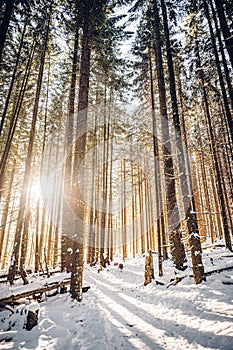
x=119, y=312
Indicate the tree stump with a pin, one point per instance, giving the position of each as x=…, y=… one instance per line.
x=23, y=274
x=120, y=266
x=32, y=319
x=11, y=275
x=149, y=269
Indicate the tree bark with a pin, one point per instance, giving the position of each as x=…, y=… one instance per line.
x=25, y=187
x=6, y=209
x=228, y=37
x=220, y=75
x=15, y=116
x=5, y=24
x=214, y=152
x=177, y=247
x=221, y=48
x=12, y=80
x=157, y=172
x=77, y=261
x=184, y=172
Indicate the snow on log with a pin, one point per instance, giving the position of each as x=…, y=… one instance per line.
x=32, y=292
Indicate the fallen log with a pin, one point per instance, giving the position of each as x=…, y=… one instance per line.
x=5, y=280
x=229, y=283
x=207, y=246
x=178, y=279
x=46, y=288
x=3, y=277
x=208, y=273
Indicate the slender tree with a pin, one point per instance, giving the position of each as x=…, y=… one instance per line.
x=77, y=259
x=177, y=247
x=225, y=28
x=20, y=232
x=9, y=5
x=191, y=218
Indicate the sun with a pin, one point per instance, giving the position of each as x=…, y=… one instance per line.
x=35, y=190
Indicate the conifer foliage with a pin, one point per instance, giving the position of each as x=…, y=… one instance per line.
x=82, y=178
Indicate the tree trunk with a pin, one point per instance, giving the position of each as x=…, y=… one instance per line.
x=77, y=261
x=214, y=153
x=124, y=213
x=224, y=61
x=12, y=80
x=28, y=162
x=66, y=243
x=220, y=75
x=5, y=210
x=177, y=247
x=37, y=237
x=149, y=268
x=183, y=169
x=15, y=116
x=5, y=24
x=157, y=172
x=192, y=224
x=225, y=29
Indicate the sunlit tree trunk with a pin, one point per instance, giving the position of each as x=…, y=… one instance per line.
x=20, y=233
x=15, y=116
x=192, y=225
x=110, y=216
x=207, y=199
x=5, y=211
x=104, y=182
x=124, y=211
x=214, y=152
x=37, y=259
x=141, y=210
x=157, y=172
x=66, y=241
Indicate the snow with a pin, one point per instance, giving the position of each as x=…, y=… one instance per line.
x=119, y=312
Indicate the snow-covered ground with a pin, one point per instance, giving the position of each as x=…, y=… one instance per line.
x=119, y=312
